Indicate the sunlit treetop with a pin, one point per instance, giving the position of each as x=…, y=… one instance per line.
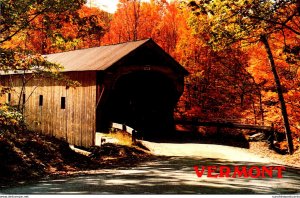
x=230, y=21
x=17, y=15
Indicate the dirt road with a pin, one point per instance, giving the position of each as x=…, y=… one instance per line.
x=174, y=174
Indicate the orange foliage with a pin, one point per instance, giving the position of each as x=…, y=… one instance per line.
x=68, y=31
x=232, y=84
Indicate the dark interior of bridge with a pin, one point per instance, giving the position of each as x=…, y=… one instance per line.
x=145, y=101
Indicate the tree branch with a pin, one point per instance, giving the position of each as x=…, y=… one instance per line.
x=23, y=26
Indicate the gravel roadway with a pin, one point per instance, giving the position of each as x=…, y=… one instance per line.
x=173, y=173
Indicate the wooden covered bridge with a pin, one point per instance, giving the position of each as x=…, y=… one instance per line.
x=134, y=83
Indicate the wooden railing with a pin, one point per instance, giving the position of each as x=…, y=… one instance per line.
x=225, y=124
x=269, y=131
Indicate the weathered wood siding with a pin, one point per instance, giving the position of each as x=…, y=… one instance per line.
x=76, y=123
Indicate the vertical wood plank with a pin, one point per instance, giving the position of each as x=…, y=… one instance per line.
x=77, y=122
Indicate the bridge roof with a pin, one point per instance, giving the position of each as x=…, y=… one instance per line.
x=103, y=57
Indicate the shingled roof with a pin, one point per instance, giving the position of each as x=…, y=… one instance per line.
x=101, y=58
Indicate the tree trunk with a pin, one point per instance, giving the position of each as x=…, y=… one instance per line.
x=288, y=133
x=136, y=14
x=261, y=109
x=254, y=111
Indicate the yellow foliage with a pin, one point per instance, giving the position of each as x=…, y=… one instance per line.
x=10, y=118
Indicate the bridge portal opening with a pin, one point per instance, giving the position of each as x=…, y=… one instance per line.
x=145, y=101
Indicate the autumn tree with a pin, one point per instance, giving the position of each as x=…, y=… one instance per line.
x=17, y=16
x=125, y=22
x=167, y=29
x=55, y=32
x=248, y=22
x=136, y=20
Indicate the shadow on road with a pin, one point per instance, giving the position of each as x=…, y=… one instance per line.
x=232, y=137
x=166, y=175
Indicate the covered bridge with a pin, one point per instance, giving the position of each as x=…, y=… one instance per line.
x=134, y=83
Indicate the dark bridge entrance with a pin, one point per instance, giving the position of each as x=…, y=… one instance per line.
x=139, y=90
x=144, y=100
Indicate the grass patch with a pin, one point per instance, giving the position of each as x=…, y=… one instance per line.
x=123, y=137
